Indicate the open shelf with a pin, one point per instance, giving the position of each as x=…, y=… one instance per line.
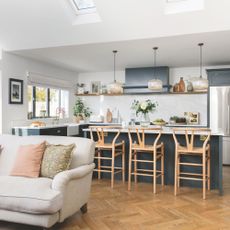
x=143, y=93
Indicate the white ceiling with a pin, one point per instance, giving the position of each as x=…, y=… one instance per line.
x=30, y=27
x=177, y=51
x=28, y=24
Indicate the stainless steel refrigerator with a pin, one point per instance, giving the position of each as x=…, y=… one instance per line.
x=220, y=116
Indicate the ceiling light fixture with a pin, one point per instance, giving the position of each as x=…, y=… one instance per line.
x=155, y=84
x=115, y=87
x=200, y=83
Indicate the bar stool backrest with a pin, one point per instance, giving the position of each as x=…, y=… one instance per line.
x=141, y=133
x=101, y=130
x=189, y=134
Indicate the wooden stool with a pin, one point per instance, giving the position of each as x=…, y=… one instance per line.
x=156, y=150
x=116, y=148
x=189, y=149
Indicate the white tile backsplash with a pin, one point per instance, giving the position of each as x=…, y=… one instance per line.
x=169, y=105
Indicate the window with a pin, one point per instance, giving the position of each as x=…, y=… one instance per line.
x=182, y=6
x=47, y=102
x=83, y=4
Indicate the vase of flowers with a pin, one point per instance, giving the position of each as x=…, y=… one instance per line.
x=143, y=108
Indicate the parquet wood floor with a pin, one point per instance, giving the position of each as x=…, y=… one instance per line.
x=140, y=209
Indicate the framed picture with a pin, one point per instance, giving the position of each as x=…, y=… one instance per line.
x=192, y=117
x=15, y=91
x=95, y=87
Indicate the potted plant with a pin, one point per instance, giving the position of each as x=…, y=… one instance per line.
x=144, y=108
x=81, y=112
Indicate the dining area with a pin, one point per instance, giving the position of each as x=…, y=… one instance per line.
x=164, y=156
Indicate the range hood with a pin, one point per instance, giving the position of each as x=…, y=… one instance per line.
x=136, y=79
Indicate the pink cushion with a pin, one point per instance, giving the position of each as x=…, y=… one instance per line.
x=28, y=160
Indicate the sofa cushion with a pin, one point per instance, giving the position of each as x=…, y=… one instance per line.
x=28, y=160
x=57, y=158
x=82, y=155
x=29, y=195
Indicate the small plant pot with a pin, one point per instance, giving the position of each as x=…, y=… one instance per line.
x=78, y=119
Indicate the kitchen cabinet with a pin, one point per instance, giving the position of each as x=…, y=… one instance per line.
x=29, y=131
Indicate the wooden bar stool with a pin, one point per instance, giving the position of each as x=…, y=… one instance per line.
x=116, y=149
x=189, y=149
x=156, y=150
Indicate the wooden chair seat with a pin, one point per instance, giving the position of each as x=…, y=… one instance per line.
x=194, y=150
x=107, y=145
x=147, y=148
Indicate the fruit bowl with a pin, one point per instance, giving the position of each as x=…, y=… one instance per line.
x=159, y=122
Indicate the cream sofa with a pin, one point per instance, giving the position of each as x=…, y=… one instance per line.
x=43, y=201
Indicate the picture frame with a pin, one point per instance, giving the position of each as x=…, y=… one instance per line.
x=193, y=118
x=95, y=87
x=15, y=91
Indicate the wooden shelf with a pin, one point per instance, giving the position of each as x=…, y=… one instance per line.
x=142, y=93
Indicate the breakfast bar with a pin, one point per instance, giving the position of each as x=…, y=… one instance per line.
x=216, y=178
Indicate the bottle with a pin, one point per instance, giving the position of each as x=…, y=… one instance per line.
x=109, y=116
x=181, y=85
x=189, y=86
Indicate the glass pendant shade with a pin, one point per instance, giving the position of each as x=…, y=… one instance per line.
x=200, y=83
x=115, y=87
x=155, y=84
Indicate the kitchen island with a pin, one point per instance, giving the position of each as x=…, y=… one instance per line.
x=167, y=138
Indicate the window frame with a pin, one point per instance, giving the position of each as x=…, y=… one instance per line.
x=86, y=10
x=47, y=101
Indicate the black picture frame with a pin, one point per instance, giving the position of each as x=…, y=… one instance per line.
x=15, y=91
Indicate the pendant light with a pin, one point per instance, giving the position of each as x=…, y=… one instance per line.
x=155, y=84
x=114, y=87
x=200, y=83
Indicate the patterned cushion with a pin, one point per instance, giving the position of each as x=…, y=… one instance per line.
x=57, y=158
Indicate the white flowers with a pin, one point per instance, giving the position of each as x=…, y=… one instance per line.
x=144, y=105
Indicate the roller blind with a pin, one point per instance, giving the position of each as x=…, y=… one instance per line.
x=38, y=79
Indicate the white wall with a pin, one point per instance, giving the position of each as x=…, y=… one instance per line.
x=14, y=66
x=1, y=90
x=169, y=105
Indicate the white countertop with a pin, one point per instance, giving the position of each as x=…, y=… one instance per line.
x=165, y=130
x=63, y=125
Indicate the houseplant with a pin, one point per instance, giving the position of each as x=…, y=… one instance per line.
x=81, y=112
x=144, y=108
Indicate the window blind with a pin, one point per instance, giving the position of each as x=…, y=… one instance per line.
x=38, y=79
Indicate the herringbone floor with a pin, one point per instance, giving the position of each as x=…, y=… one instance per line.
x=140, y=209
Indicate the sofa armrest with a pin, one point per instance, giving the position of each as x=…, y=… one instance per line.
x=61, y=180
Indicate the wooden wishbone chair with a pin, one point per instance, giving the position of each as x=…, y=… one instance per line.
x=116, y=149
x=135, y=149
x=189, y=148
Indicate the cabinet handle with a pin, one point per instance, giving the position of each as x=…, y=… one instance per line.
x=58, y=131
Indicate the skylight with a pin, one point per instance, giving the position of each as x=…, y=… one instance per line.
x=182, y=6
x=84, y=4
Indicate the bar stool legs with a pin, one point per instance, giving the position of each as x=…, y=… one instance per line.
x=209, y=169
x=158, y=154
x=188, y=148
x=162, y=165
x=99, y=164
x=123, y=162
x=118, y=150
